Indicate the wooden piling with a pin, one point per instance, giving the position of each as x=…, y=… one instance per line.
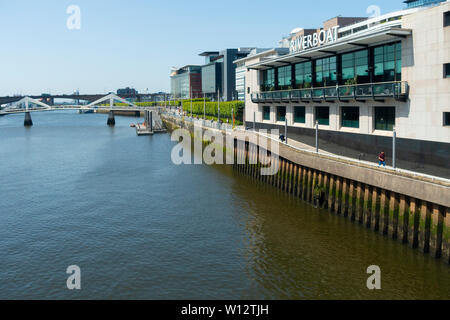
x=384, y=214
x=344, y=198
x=393, y=216
x=358, y=206
x=375, y=213
x=414, y=223
x=326, y=188
x=367, y=207
x=331, y=194
x=424, y=228
x=337, y=196
x=446, y=236
x=403, y=220
x=437, y=226
x=351, y=201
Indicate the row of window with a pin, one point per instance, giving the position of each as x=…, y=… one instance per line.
x=384, y=117
x=377, y=64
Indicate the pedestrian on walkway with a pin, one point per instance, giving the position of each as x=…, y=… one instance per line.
x=382, y=159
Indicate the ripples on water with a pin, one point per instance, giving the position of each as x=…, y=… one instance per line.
x=74, y=191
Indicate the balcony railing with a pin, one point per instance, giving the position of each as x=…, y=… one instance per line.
x=398, y=90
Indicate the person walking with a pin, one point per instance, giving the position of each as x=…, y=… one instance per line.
x=382, y=159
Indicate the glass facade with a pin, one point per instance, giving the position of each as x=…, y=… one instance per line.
x=388, y=63
x=303, y=75
x=299, y=115
x=326, y=72
x=268, y=77
x=350, y=117
x=384, y=118
x=446, y=19
x=373, y=65
x=284, y=78
x=281, y=114
x=355, y=67
x=323, y=115
x=266, y=113
x=420, y=3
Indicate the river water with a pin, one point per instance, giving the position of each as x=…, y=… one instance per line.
x=76, y=192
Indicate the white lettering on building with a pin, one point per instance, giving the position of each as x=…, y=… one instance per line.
x=317, y=39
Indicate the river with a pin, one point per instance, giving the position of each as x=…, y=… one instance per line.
x=76, y=192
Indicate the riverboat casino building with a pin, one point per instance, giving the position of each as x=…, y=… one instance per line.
x=360, y=79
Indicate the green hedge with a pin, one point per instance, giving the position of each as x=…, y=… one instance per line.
x=211, y=109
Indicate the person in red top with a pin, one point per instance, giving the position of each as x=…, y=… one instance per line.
x=382, y=159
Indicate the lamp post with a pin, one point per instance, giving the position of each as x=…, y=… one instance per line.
x=204, y=106
x=286, y=128
x=317, y=136
x=218, y=107
x=394, y=138
x=191, y=102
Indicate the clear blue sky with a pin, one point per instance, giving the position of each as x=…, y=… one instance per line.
x=136, y=42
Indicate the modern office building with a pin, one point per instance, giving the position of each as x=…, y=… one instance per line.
x=360, y=80
x=219, y=73
x=186, y=82
x=241, y=68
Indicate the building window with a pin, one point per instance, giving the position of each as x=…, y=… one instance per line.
x=323, y=115
x=266, y=113
x=350, y=117
x=384, y=118
x=446, y=119
x=355, y=67
x=284, y=77
x=281, y=114
x=447, y=70
x=303, y=75
x=299, y=115
x=268, y=80
x=388, y=63
x=447, y=19
x=326, y=74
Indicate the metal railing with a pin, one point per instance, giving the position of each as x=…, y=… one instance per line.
x=398, y=90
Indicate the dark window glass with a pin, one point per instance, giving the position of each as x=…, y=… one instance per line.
x=303, y=75
x=268, y=80
x=355, y=67
x=388, y=63
x=350, y=117
x=284, y=77
x=281, y=114
x=447, y=19
x=266, y=113
x=323, y=115
x=447, y=70
x=446, y=118
x=299, y=114
x=384, y=118
x=326, y=74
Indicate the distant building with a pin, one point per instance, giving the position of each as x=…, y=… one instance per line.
x=219, y=73
x=421, y=3
x=127, y=92
x=216, y=78
x=186, y=82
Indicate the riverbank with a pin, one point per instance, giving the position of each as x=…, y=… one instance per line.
x=411, y=209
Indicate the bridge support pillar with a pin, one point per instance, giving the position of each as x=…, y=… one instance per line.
x=111, y=120
x=27, y=122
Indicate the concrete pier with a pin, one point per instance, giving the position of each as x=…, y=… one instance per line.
x=27, y=122
x=403, y=208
